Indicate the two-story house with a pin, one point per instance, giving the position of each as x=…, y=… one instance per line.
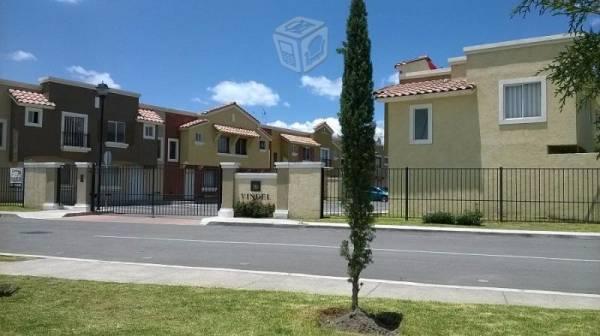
x=488, y=108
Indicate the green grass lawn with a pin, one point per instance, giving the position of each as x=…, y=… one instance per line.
x=8, y=258
x=16, y=208
x=63, y=307
x=541, y=226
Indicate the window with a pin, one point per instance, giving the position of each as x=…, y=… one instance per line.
x=173, y=150
x=522, y=100
x=325, y=157
x=274, y=157
x=223, y=144
x=306, y=153
x=116, y=131
x=420, y=124
x=161, y=149
x=2, y=134
x=74, y=128
x=262, y=145
x=33, y=117
x=294, y=150
x=149, y=131
x=209, y=180
x=198, y=138
x=240, y=147
x=378, y=162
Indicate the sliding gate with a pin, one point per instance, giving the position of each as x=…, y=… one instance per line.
x=158, y=191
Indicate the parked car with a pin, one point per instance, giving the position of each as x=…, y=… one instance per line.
x=378, y=194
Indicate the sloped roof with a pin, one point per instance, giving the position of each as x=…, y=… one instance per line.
x=300, y=140
x=236, y=131
x=146, y=115
x=423, y=87
x=193, y=123
x=23, y=97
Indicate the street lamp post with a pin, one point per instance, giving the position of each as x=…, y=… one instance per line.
x=102, y=91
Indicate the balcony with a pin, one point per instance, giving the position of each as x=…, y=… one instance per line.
x=75, y=142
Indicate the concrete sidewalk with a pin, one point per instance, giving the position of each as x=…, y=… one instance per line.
x=290, y=222
x=140, y=273
x=44, y=214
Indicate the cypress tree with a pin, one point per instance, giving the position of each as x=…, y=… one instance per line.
x=358, y=144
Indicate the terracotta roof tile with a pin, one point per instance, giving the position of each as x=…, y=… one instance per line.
x=31, y=98
x=300, y=140
x=423, y=87
x=149, y=116
x=236, y=131
x=193, y=123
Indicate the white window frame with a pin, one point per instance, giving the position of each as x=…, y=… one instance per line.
x=411, y=125
x=161, y=152
x=169, y=150
x=201, y=138
x=150, y=126
x=525, y=80
x=3, y=124
x=40, y=116
x=76, y=115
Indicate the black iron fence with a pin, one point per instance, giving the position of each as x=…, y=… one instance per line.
x=158, y=191
x=501, y=194
x=12, y=186
x=75, y=139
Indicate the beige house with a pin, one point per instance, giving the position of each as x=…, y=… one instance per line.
x=225, y=134
x=488, y=108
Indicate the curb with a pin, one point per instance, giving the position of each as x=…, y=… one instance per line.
x=269, y=222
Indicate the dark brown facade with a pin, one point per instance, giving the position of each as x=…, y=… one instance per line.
x=58, y=140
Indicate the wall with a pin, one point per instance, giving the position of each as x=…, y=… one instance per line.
x=268, y=192
x=519, y=145
x=455, y=136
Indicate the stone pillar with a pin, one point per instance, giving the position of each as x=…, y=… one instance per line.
x=283, y=180
x=227, y=188
x=84, y=185
x=40, y=185
x=304, y=189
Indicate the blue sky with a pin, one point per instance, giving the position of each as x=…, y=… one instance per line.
x=194, y=55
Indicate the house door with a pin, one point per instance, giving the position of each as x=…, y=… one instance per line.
x=188, y=183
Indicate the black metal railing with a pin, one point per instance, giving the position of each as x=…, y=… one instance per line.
x=501, y=194
x=169, y=190
x=12, y=186
x=76, y=139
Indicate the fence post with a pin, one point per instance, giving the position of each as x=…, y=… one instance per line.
x=93, y=190
x=322, y=191
x=406, y=193
x=152, y=191
x=501, y=193
x=58, y=187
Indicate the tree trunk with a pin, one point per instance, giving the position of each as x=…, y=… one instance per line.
x=355, y=289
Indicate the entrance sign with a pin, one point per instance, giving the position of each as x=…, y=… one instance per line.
x=16, y=176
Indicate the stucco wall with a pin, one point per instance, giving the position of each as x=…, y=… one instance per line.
x=268, y=192
x=304, y=199
x=455, y=136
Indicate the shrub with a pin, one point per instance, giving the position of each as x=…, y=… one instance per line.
x=470, y=217
x=439, y=217
x=253, y=209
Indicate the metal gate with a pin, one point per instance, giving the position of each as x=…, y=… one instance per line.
x=12, y=186
x=158, y=191
x=66, y=185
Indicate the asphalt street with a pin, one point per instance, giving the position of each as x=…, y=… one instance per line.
x=489, y=260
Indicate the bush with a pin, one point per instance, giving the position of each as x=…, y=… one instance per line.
x=253, y=209
x=7, y=289
x=470, y=217
x=439, y=217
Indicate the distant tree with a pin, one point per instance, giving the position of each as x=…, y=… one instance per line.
x=575, y=71
x=358, y=144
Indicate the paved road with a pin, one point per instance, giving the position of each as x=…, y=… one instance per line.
x=540, y=262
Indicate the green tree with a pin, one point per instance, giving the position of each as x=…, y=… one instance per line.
x=575, y=71
x=358, y=144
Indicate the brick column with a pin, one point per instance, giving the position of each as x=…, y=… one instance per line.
x=227, y=188
x=304, y=189
x=283, y=181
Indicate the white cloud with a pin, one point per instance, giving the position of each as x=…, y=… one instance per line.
x=92, y=76
x=199, y=101
x=323, y=86
x=21, y=55
x=249, y=93
x=72, y=2
x=393, y=78
x=334, y=123
x=286, y=104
